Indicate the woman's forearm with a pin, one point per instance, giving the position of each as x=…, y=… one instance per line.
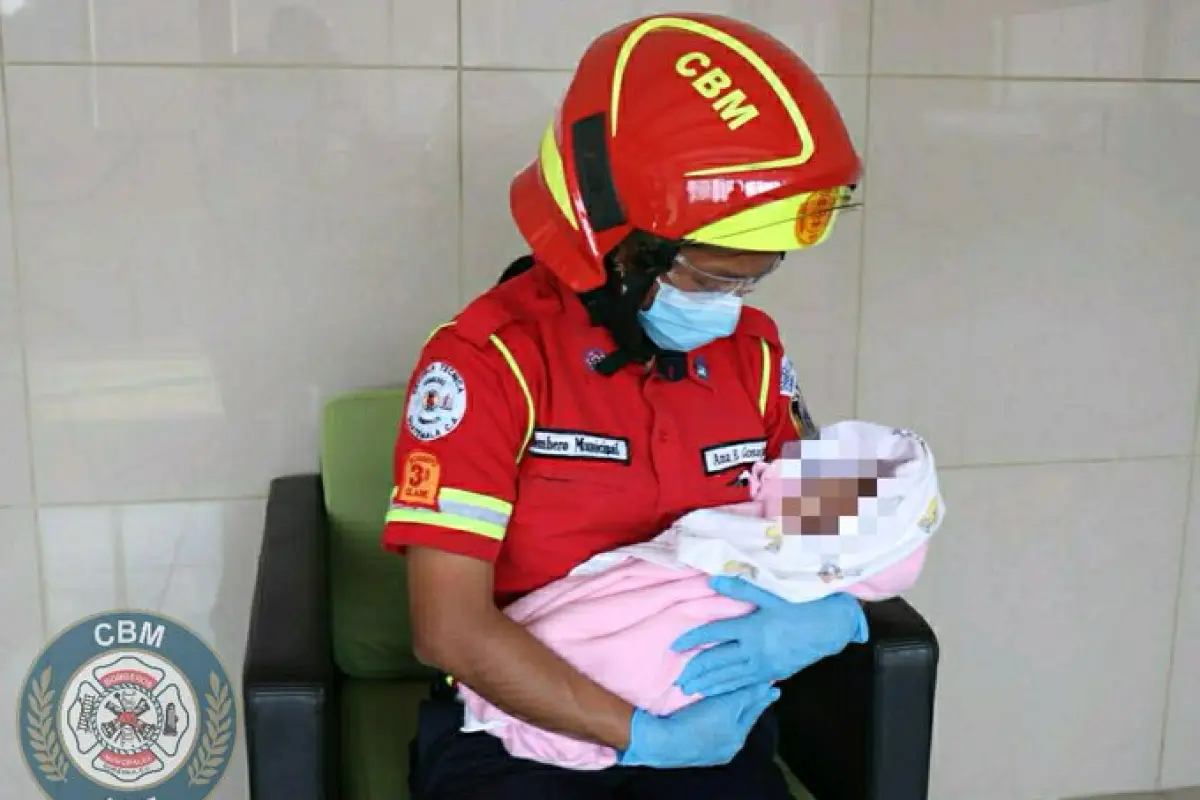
x=507, y=666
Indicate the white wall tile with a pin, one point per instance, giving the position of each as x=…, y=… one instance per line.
x=1090, y=38
x=207, y=255
x=1030, y=281
x=1180, y=767
x=405, y=32
x=831, y=35
x=21, y=637
x=504, y=115
x=14, y=429
x=81, y=571
x=1052, y=592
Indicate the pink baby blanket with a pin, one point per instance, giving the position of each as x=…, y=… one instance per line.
x=615, y=617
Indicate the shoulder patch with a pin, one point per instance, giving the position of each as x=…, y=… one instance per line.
x=422, y=476
x=437, y=402
x=788, y=385
x=798, y=409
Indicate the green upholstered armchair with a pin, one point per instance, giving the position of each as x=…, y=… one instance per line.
x=331, y=686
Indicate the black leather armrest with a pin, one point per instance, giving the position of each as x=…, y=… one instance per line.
x=859, y=726
x=288, y=679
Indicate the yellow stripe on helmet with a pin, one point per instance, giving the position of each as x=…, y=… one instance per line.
x=554, y=175
x=807, y=145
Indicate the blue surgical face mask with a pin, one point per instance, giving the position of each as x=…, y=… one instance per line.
x=678, y=320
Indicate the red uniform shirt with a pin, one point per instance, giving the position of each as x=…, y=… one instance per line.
x=514, y=450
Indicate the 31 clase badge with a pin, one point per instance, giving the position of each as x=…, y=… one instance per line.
x=127, y=705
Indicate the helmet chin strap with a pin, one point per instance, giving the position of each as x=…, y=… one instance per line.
x=615, y=305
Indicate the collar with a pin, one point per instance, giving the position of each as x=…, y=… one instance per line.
x=596, y=341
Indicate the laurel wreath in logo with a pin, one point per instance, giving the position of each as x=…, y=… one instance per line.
x=218, y=731
x=43, y=733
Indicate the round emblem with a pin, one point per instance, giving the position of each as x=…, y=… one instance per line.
x=593, y=357
x=438, y=402
x=127, y=705
x=816, y=216
x=787, y=377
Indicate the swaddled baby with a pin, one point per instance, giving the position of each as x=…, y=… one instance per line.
x=849, y=512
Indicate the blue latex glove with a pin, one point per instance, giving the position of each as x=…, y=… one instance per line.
x=708, y=733
x=772, y=643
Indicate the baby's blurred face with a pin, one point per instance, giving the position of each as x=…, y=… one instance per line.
x=814, y=506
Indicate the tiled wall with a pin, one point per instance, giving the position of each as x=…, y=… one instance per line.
x=222, y=213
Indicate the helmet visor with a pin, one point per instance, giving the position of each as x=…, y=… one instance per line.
x=791, y=223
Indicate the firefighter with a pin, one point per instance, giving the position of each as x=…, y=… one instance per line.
x=613, y=381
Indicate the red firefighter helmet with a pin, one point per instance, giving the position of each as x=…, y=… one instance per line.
x=692, y=128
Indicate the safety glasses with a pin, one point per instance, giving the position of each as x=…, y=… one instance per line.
x=687, y=277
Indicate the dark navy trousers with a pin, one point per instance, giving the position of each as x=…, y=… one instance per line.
x=448, y=764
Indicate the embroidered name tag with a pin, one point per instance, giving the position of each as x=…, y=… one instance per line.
x=721, y=457
x=584, y=446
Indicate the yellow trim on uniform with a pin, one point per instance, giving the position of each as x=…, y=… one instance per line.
x=484, y=501
x=807, y=145
x=529, y=407
x=424, y=516
x=764, y=389
x=436, y=331
x=516, y=370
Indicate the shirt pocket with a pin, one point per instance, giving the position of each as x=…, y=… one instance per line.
x=570, y=494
